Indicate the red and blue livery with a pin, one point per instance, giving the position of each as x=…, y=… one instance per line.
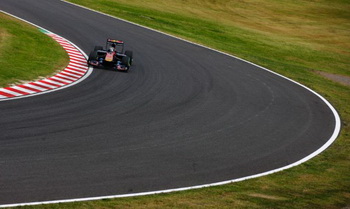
x=113, y=56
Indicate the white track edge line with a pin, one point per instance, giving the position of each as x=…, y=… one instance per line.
x=87, y=74
x=321, y=149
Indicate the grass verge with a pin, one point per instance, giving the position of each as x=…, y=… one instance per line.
x=294, y=38
x=27, y=54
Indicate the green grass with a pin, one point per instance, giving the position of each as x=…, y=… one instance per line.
x=27, y=54
x=294, y=38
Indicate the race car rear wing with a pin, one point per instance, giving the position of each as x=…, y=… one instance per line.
x=117, y=42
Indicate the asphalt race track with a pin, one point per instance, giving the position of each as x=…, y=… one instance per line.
x=184, y=115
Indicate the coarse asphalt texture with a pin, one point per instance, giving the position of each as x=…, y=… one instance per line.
x=184, y=115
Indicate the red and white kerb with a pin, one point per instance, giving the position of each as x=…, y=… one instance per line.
x=75, y=70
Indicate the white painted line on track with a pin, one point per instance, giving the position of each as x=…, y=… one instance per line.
x=318, y=151
x=53, y=83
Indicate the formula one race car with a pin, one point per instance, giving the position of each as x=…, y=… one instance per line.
x=112, y=57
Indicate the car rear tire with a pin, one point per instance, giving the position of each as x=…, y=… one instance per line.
x=98, y=48
x=129, y=54
x=126, y=61
x=93, y=56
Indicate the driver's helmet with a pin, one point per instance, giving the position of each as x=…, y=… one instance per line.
x=111, y=49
